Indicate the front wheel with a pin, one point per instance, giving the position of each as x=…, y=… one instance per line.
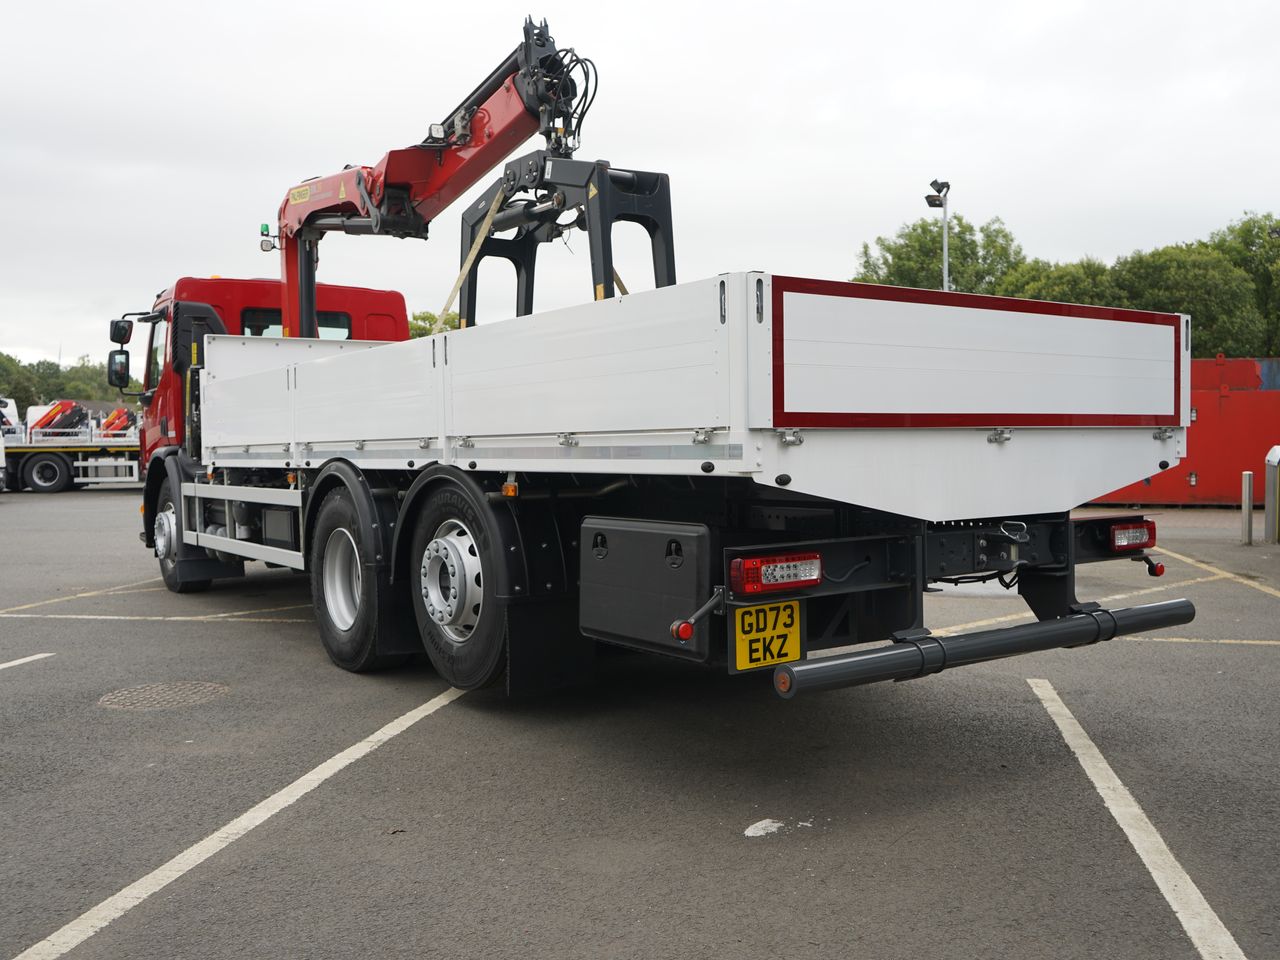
x=166, y=534
x=453, y=566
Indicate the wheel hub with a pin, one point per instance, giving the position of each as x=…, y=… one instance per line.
x=452, y=580
x=341, y=579
x=165, y=535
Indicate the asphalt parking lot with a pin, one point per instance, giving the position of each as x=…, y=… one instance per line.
x=946, y=817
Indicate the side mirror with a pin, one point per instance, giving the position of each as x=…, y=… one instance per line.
x=121, y=331
x=118, y=368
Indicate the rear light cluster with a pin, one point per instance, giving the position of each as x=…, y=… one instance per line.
x=792, y=571
x=1133, y=536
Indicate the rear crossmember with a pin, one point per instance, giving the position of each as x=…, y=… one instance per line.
x=918, y=654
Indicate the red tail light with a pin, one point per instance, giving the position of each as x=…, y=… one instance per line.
x=1133, y=536
x=791, y=571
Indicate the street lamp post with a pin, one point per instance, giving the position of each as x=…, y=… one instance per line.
x=939, y=199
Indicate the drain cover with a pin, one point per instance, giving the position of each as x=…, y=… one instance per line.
x=162, y=696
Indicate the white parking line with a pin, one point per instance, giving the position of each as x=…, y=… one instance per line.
x=115, y=906
x=239, y=616
x=1027, y=615
x=79, y=596
x=1211, y=939
x=18, y=663
x=1269, y=590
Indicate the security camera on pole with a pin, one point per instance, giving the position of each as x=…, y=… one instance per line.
x=939, y=199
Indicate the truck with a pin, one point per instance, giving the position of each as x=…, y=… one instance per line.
x=752, y=472
x=64, y=445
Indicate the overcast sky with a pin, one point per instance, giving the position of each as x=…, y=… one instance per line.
x=147, y=141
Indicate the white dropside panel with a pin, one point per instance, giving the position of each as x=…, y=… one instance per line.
x=398, y=409
x=854, y=355
x=247, y=394
x=656, y=360
x=938, y=406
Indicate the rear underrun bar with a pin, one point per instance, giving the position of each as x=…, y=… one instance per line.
x=923, y=655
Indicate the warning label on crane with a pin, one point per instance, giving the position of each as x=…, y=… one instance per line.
x=300, y=194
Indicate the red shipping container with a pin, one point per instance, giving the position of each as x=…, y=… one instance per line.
x=1235, y=421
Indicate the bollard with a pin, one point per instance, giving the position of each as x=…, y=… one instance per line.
x=1271, y=498
x=1246, y=508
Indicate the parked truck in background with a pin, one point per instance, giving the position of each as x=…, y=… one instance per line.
x=743, y=472
x=65, y=444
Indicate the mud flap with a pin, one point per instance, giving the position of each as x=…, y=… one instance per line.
x=545, y=651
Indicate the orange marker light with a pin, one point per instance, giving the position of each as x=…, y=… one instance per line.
x=511, y=489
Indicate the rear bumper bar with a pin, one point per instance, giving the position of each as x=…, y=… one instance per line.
x=923, y=655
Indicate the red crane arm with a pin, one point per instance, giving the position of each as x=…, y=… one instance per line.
x=528, y=93
x=433, y=177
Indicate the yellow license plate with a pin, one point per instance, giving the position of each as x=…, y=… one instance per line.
x=766, y=634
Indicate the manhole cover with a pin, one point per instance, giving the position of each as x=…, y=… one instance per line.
x=162, y=696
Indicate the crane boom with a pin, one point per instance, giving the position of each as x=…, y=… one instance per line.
x=531, y=91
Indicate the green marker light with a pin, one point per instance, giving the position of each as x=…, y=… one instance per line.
x=266, y=230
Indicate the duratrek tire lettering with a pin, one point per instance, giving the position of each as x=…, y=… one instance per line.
x=480, y=658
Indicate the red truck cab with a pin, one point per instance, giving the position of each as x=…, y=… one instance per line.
x=248, y=308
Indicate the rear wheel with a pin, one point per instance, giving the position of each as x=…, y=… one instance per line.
x=166, y=534
x=453, y=564
x=47, y=472
x=343, y=587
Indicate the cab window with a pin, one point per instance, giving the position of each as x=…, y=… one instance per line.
x=156, y=351
x=266, y=322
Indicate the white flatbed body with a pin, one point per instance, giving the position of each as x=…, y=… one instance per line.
x=938, y=406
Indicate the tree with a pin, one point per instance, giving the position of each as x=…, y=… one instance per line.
x=978, y=258
x=421, y=324
x=17, y=383
x=1250, y=245
x=1201, y=281
x=44, y=381
x=1084, y=281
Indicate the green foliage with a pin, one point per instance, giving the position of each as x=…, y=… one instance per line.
x=1085, y=281
x=1229, y=284
x=422, y=323
x=1201, y=281
x=978, y=257
x=44, y=381
x=1249, y=245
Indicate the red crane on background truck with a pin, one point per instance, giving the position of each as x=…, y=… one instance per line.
x=737, y=472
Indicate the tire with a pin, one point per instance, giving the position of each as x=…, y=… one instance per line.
x=47, y=472
x=169, y=566
x=343, y=590
x=453, y=563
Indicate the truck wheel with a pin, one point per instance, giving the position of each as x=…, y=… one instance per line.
x=452, y=568
x=166, y=533
x=47, y=472
x=343, y=588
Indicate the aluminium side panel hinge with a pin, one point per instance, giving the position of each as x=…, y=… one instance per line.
x=790, y=437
